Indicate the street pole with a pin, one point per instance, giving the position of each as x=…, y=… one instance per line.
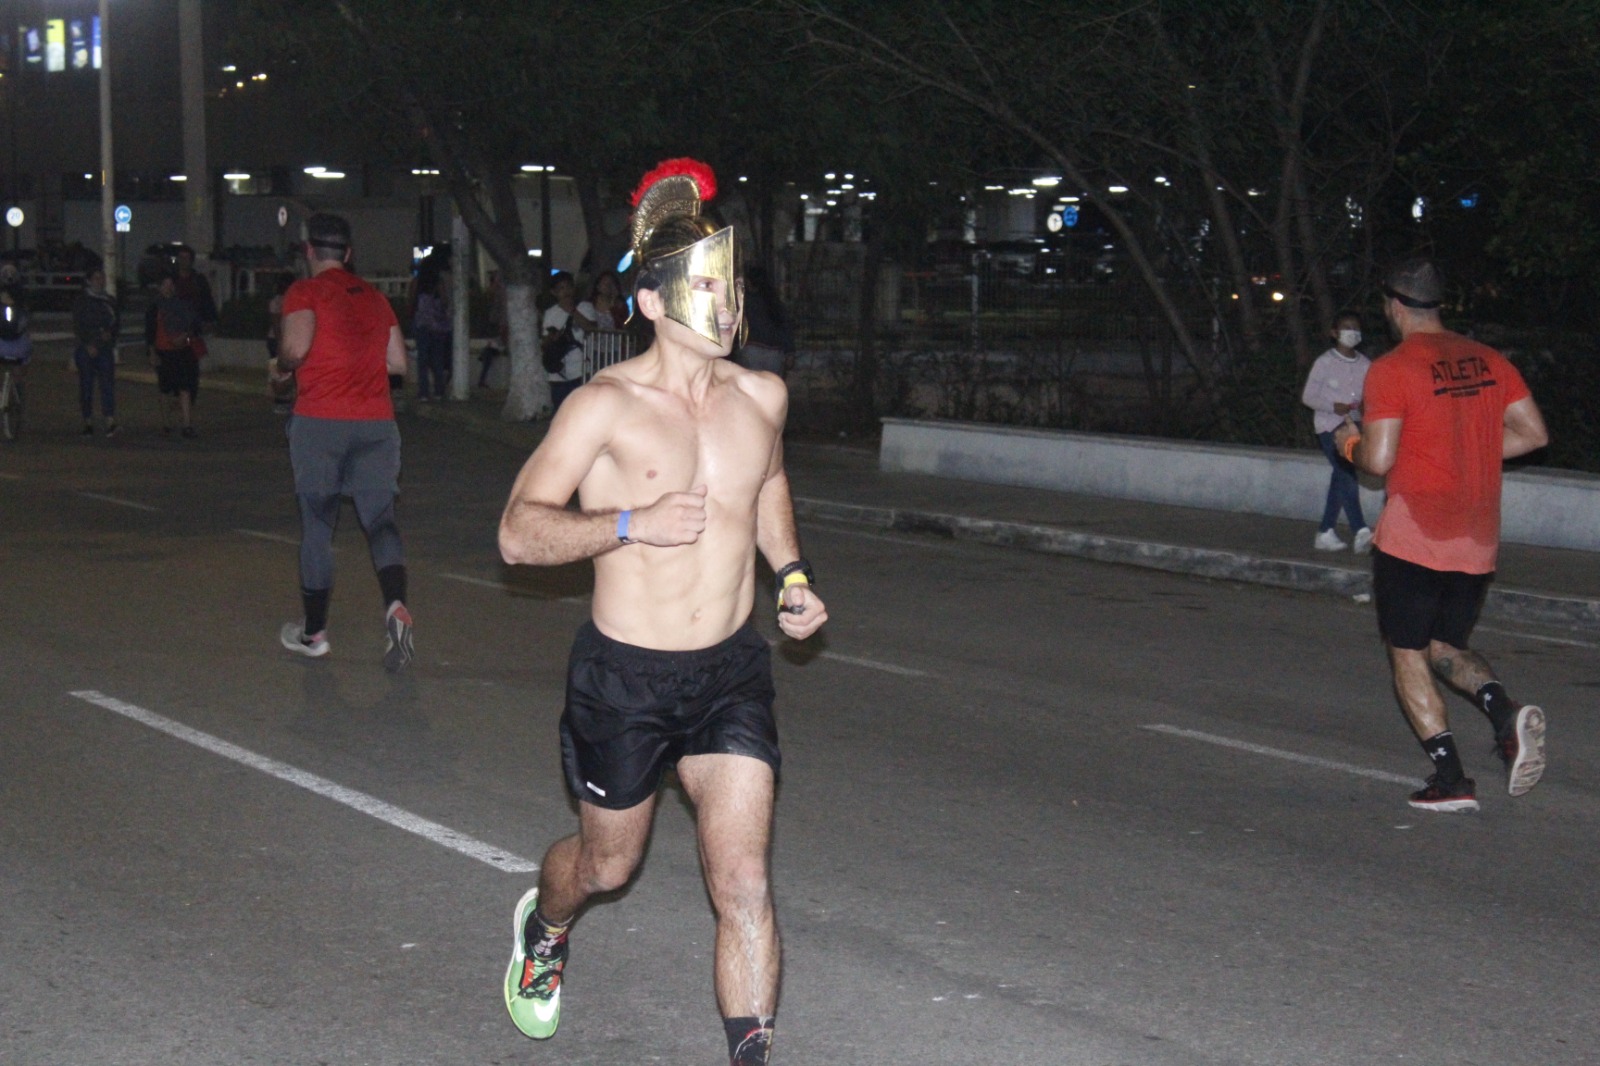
x=108, y=192
x=460, y=325
x=199, y=227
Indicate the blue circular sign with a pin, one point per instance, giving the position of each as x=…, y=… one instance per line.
x=123, y=214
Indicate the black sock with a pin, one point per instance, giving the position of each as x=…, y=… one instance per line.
x=1497, y=705
x=544, y=938
x=749, y=1040
x=316, y=604
x=392, y=583
x=1446, y=763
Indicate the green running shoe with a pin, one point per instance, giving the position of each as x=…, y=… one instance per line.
x=533, y=984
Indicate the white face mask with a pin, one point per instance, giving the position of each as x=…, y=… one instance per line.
x=1349, y=337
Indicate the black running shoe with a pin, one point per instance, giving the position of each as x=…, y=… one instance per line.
x=1460, y=797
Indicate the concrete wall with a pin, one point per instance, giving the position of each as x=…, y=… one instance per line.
x=1552, y=509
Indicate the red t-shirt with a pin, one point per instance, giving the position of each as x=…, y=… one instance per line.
x=1451, y=395
x=345, y=374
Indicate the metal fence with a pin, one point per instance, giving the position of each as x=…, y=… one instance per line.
x=603, y=347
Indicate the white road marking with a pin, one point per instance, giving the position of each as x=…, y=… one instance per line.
x=1279, y=753
x=501, y=586
x=442, y=835
x=276, y=538
x=1535, y=636
x=873, y=664
x=870, y=664
x=12, y=477
x=498, y=586
x=119, y=501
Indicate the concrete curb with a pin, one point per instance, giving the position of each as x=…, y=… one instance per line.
x=1510, y=605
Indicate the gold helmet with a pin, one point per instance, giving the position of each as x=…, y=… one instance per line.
x=673, y=243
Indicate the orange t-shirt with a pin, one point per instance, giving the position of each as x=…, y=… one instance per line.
x=345, y=374
x=1450, y=394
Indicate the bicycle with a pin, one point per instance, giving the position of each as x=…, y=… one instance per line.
x=10, y=401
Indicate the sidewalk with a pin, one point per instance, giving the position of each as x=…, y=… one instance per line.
x=842, y=484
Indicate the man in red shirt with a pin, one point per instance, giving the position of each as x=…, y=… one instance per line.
x=341, y=341
x=1442, y=412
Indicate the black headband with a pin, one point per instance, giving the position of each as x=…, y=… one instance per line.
x=1411, y=301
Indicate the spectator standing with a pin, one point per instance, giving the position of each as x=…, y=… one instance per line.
x=497, y=323
x=16, y=341
x=95, y=321
x=562, y=319
x=192, y=286
x=170, y=329
x=431, y=328
x=605, y=306
x=1333, y=392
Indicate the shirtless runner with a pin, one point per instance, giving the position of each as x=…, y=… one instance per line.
x=677, y=460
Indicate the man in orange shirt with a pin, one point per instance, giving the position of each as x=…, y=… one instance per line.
x=1442, y=412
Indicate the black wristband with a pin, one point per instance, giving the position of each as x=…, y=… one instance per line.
x=799, y=566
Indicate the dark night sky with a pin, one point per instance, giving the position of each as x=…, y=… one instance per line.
x=57, y=115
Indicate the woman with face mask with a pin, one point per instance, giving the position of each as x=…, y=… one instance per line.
x=1333, y=390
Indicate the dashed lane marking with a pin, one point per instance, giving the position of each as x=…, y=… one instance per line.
x=442, y=835
x=482, y=583
x=873, y=664
x=1535, y=636
x=11, y=477
x=501, y=586
x=1279, y=753
x=870, y=664
x=276, y=538
x=119, y=501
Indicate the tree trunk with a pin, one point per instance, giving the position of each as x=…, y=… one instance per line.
x=864, y=387
x=529, y=394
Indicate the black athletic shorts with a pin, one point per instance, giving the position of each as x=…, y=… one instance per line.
x=631, y=712
x=1417, y=605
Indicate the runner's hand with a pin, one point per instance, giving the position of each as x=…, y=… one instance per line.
x=676, y=518
x=800, y=624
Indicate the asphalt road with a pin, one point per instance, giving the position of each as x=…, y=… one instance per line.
x=1034, y=810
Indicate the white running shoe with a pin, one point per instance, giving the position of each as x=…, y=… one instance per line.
x=293, y=636
x=1363, y=542
x=1328, y=541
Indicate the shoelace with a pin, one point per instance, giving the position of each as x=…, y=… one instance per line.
x=540, y=977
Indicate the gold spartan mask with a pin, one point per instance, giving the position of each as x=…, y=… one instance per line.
x=674, y=244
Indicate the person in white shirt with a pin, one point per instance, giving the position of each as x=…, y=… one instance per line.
x=557, y=317
x=1333, y=390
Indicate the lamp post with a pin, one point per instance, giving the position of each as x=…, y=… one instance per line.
x=108, y=232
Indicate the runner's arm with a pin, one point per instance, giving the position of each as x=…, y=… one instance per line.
x=394, y=355
x=537, y=527
x=1525, y=430
x=298, y=329
x=779, y=542
x=1379, y=441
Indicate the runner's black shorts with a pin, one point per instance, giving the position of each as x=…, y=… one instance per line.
x=1417, y=605
x=632, y=712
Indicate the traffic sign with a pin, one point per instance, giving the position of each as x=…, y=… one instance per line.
x=123, y=215
x=14, y=217
x=283, y=217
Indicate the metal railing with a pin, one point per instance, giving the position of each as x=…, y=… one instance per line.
x=603, y=347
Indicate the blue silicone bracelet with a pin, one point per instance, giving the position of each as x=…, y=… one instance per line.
x=622, y=525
